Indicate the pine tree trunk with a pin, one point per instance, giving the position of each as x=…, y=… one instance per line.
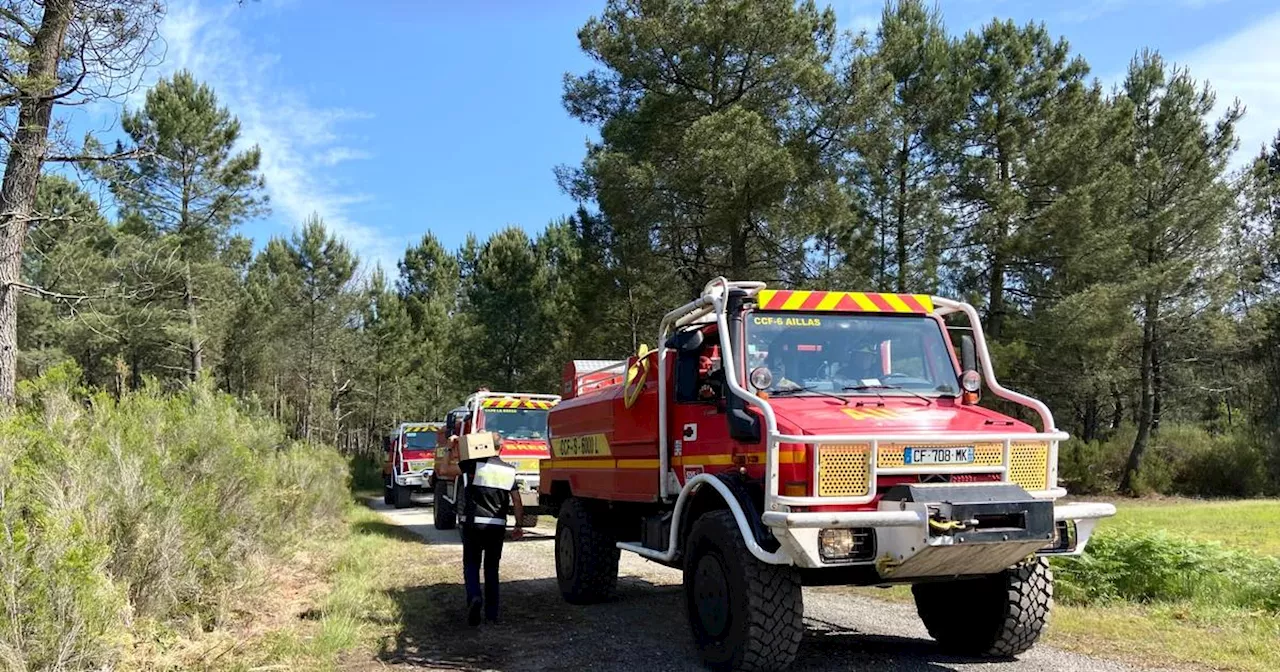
x=1146, y=405
x=1117, y=406
x=901, y=224
x=22, y=175
x=738, y=255
x=995, y=299
x=1157, y=387
x=193, y=323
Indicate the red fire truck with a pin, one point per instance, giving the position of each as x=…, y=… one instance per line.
x=786, y=438
x=520, y=420
x=411, y=454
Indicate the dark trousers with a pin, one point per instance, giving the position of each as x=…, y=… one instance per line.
x=486, y=541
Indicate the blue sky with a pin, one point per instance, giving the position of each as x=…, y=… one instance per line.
x=403, y=116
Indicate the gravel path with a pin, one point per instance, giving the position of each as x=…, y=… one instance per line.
x=644, y=628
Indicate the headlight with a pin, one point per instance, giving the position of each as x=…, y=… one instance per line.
x=835, y=544
x=847, y=545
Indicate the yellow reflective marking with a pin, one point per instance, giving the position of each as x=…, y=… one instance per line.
x=578, y=464
x=925, y=302
x=829, y=301
x=897, y=303
x=863, y=302
x=638, y=464
x=796, y=300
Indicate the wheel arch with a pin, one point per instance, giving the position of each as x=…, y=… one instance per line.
x=715, y=492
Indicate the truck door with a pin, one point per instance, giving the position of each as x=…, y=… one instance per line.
x=699, y=434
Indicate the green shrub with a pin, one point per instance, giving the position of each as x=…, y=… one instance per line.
x=1150, y=566
x=1180, y=460
x=366, y=472
x=115, y=514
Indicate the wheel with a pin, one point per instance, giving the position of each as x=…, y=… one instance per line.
x=586, y=557
x=529, y=520
x=388, y=496
x=442, y=511
x=745, y=614
x=1000, y=615
x=403, y=496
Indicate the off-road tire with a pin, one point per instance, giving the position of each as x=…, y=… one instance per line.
x=997, y=616
x=529, y=520
x=745, y=614
x=403, y=496
x=388, y=495
x=442, y=511
x=586, y=554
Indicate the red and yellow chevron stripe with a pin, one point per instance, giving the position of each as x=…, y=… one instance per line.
x=498, y=402
x=843, y=302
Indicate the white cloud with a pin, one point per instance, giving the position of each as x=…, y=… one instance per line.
x=1245, y=66
x=299, y=140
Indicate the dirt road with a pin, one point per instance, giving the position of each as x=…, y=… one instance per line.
x=644, y=628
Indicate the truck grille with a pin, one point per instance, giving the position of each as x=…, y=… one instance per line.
x=1029, y=465
x=844, y=469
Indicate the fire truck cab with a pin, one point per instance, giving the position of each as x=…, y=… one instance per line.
x=785, y=438
x=409, y=463
x=520, y=421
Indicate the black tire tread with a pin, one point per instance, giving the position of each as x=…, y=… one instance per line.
x=998, y=616
x=403, y=497
x=596, y=555
x=775, y=603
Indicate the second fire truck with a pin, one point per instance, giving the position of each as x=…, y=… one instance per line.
x=520, y=421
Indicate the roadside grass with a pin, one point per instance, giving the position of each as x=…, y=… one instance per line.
x=1250, y=525
x=353, y=612
x=1170, y=635
x=1171, y=583
x=1177, y=581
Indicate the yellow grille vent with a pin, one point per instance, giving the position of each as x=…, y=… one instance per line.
x=844, y=471
x=1029, y=465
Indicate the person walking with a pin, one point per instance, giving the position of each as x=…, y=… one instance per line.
x=489, y=494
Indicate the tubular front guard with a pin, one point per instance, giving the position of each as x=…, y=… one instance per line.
x=527, y=484
x=932, y=530
x=413, y=480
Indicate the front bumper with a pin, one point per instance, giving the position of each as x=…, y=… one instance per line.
x=414, y=480
x=910, y=539
x=527, y=485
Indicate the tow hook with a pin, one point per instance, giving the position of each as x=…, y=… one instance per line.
x=938, y=524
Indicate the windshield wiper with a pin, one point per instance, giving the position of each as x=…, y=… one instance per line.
x=882, y=386
x=808, y=388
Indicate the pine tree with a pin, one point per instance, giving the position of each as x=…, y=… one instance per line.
x=1179, y=203
x=189, y=191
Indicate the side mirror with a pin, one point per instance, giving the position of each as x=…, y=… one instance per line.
x=968, y=353
x=970, y=379
x=386, y=443
x=685, y=341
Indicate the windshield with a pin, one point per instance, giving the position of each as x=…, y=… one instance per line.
x=516, y=423
x=419, y=440
x=851, y=353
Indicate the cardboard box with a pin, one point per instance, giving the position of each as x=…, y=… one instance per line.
x=477, y=446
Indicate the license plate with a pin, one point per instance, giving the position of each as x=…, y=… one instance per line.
x=963, y=455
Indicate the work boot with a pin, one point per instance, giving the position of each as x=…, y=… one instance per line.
x=473, y=612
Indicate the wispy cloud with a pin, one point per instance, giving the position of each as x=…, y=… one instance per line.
x=300, y=141
x=1245, y=66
